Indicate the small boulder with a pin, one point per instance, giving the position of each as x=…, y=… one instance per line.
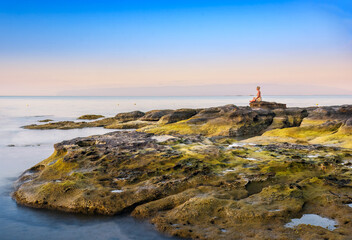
x=129, y=116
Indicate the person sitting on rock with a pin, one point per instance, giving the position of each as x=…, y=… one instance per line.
x=258, y=98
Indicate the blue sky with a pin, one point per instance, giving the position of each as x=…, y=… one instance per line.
x=47, y=46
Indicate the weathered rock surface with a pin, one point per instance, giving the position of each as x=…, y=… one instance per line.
x=178, y=115
x=324, y=125
x=129, y=116
x=198, y=187
x=335, y=112
x=155, y=115
x=72, y=125
x=233, y=121
x=198, y=182
x=267, y=105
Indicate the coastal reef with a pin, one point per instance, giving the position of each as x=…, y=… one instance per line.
x=217, y=173
x=269, y=121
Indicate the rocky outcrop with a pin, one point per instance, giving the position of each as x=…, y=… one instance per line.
x=130, y=124
x=155, y=115
x=178, y=115
x=291, y=117
x=185, y=172
x=267, y=105
x=129, y=116
x=198, y=187
x=232, y=121
x=333, y=113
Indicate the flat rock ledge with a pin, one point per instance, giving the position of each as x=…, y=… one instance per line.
x=200, y=187
x=267, y=105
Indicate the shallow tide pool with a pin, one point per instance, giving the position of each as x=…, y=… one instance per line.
x=313, y=219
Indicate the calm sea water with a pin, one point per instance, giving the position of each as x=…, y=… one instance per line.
x=32, y=146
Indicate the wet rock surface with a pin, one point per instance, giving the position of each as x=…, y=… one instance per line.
x=193, y=178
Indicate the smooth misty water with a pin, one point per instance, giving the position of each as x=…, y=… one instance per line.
x=32, y=146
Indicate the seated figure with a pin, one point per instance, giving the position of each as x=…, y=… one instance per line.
x=258, y=98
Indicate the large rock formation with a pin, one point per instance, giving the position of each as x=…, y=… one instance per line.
x=198, y=181
x=327, y=125
x=198, y=187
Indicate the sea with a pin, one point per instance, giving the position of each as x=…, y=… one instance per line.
x=20, y=149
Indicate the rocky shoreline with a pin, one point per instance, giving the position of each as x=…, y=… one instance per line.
x=217, y=173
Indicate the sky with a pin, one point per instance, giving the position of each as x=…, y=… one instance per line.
x=175, y=47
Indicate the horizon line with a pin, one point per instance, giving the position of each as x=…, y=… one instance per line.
x=236, y=95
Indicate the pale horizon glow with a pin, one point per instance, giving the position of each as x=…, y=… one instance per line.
x=288, y=47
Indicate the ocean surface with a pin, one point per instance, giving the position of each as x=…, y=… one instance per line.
x=20, y=149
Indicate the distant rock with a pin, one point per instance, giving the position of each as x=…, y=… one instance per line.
x=46, y=120
x=64, y=125
x=90, y=117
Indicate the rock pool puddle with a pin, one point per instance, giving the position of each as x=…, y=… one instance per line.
x=117, y=191
x=313, y=219
x=240, y=144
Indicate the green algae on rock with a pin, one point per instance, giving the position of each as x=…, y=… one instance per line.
x=185, y=171
x=196, y=187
